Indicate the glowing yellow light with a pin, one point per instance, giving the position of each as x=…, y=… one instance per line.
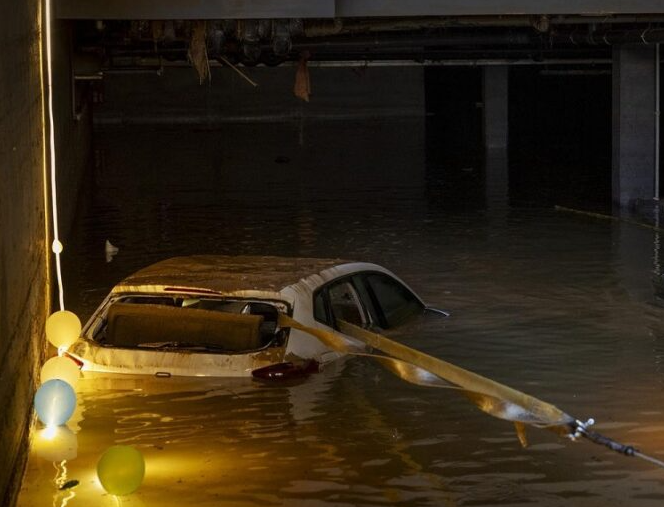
x=51, y=151
x=45, y=175
x=62, y=368
x=63, y=328
x=121, y=469
x=57, y=247
x=50, y=432
x=55, y=443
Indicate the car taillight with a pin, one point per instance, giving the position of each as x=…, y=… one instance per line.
x=286, y=371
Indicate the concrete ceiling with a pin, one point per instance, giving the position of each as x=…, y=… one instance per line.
x=258, y=9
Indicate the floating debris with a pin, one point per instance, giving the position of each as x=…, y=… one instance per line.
x=69, y=484
x=302, y=87
x=197, y=53
x=111, y=251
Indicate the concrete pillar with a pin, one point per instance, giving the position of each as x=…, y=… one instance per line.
x=496, y=179
x=634, y=127
x=495, y=96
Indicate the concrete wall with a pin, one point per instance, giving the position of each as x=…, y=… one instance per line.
x=23, y=301
x=24, y=291
x=176, y=96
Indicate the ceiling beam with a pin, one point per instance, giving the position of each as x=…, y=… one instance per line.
x=193, y=9
x=260, y=9
x=368, y=8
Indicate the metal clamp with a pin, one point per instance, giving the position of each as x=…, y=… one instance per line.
x=580, y=428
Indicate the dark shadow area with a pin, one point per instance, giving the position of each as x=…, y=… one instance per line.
x=560, y=137
x=454, y=148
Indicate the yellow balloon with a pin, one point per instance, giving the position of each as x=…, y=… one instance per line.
x=121, y=469
x=60, y=367
x=63, y=328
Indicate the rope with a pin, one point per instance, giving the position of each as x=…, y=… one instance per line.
x=492, y=397
x=581, y=429
x=609, y=217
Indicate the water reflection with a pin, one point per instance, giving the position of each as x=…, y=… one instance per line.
x=55, y=443
x=496, y=180
x=558, y=305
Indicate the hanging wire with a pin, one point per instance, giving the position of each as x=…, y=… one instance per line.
x=57, y=245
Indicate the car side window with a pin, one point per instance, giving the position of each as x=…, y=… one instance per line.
x=396, y=302
x=345, y=303
x=320, y=313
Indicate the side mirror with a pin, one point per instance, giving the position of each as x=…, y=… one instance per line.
x=437, y=310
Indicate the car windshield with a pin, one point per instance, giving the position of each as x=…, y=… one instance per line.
x=192, y=323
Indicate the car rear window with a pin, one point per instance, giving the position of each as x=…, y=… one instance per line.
x=192, y=323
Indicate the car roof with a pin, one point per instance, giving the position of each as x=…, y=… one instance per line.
x=226, y=274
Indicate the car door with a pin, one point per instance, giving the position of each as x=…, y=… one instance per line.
x=401, y=315
x=371, y=300
x=343, y=299
x=376, y=301
x=344, y=303
x=394, y=304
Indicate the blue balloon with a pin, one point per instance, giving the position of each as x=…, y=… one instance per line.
x=55, y=402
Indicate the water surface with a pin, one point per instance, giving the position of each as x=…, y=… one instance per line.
x=559, y=305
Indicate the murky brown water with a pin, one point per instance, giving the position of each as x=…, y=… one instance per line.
x=559, y=305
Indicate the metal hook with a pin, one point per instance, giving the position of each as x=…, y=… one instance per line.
x=643, y=38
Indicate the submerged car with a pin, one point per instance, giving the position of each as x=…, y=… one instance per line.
x=218, y=315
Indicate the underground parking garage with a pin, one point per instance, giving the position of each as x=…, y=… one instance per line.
x=443, y=141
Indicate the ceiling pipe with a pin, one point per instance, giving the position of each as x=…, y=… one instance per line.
x=417, y=41
x=339, y=26
x=157, y=66
x=610, y=37
x=505, y=39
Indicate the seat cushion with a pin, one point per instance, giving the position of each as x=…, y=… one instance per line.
x=133, y=325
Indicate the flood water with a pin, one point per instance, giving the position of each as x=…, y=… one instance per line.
x=556, y=304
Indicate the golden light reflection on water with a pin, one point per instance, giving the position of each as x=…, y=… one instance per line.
x=55, y=443
x=333, y=440
x=63, y=495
